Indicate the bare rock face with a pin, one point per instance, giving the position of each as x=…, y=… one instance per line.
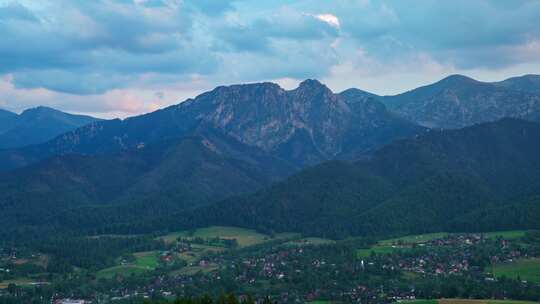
x=266, y=116
x=306, y=125
x=458, y=101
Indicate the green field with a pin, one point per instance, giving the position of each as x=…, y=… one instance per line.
x=507, y=302
x=509, y=235
x=148, y=260
x=465, y=301
x=244, y=237
x=366, y=252
x=468, y=301
x=197, y=252
x=526, y=269
x=406, y=242
x=419, y=301
x=310, y=241
x=402, y=243
x=414, y=239
x=122, y=270
x=40, y=260
x=19, y=282
x=144, y=261
x=191, y=270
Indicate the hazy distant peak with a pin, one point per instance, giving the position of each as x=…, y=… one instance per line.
x=458, y=101
x=37, y=125
x=354, y=93
x=6, y=113
x=40, y=110
x=246, y=86
x=311, y=83
x=526, y=83
x=457, y=79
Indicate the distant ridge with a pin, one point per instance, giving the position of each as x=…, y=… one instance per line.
x=37, y=125
x=527, y=83
x=305, y=126
x=458, y=101
x=7, y=120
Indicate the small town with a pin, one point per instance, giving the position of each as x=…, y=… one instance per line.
x=384, y=274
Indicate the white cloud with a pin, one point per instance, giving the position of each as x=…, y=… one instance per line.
x=131, y=58
x=114, y=103
x=330, y=19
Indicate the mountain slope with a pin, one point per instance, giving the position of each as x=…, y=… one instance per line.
x=458, y=101
x=149, y=181
x=38, y=125
x=526, y=83
x=7, y=120
x=373, y=126
x=411, y=186
x=305, y=126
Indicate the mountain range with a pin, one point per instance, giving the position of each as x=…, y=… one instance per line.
x=459, y=101
x=306, y=125
x=37, y=125
x=303, y=126
x=260, y=156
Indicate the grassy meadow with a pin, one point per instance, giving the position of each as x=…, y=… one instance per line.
x=509, y=235
x=465, y=301
x=526, y=269
x=396, y=244
x=406, y=242
x=144, y=261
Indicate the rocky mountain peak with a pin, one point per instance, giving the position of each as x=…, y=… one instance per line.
x=311, y=88
x=267, y=116
x=457, y=80
x=40, y=111
x=305, y=125
x=354, y=95
x=458, y=101
x=311, y=84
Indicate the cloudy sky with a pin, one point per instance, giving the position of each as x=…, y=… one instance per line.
x=124, y=57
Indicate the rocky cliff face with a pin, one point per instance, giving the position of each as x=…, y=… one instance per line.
x=306, y=125
x=458, y=101
x=266, y=116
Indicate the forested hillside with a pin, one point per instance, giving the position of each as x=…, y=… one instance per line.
x=458, y=101
x=134, y=185
x=430, y=183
